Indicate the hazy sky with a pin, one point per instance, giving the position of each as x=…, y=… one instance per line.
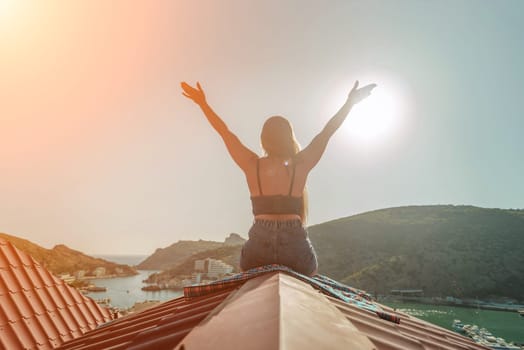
x=100, y=151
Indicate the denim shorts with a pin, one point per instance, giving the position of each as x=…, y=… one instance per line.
x=279, y=242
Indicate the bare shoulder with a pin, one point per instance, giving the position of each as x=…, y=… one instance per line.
x=305, y=160
x=250, y=165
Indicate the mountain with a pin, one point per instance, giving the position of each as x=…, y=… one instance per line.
x=169, y=257
x=61, y=259
x=230, y=254
x=460, y=251
x=234, y=239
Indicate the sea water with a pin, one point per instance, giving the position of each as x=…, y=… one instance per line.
x=124, y=292
x=504, y=324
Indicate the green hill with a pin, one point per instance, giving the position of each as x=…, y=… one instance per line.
x=62, y=259
x=460, y=251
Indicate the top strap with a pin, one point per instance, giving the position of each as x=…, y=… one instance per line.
x=292, y=179
x=258, y=177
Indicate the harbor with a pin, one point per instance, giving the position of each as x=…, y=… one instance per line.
x=502, y=324
x=483, y=336
x=124, y=292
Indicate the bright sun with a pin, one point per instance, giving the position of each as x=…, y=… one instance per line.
x=375, y=120
x=6, y=12
x=4, y=6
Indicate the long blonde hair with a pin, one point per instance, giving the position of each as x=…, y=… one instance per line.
x=278, y=139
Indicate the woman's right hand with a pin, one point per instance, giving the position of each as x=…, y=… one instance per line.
x=356, y=95
x=195, y=94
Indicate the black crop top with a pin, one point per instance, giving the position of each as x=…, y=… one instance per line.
x=276, y=204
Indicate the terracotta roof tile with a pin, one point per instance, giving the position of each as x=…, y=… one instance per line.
x=160, y=327
x=36, y=304
x=49, y=328
x=33, y=274
x=38, y=310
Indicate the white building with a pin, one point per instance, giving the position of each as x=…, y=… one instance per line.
x=212, y=267
x=67, y=278
x=216, y=268
x=99, y=271
x=200, y=265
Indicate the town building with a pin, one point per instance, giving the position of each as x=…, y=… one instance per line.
x=408, y=292
x=99, y=272
x=67, y=278
x=213, y=268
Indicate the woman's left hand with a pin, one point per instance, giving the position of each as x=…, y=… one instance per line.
x=358, y=94
x=196, y=94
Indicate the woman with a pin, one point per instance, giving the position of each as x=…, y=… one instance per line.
x=277, y=184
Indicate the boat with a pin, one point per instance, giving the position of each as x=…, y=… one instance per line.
x=151, y=288
x=521, y=312
x=103, y=301
x=93, y=288
x=458, y=326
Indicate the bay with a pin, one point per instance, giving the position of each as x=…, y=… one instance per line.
x=124, y=292
x=504, y=324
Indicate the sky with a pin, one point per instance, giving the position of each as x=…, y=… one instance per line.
x=100, y=151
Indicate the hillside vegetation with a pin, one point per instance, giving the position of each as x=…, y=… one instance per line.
x=460, y=251
x=61, y=259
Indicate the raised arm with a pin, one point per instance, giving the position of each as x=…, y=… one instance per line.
x=313, y=152
x=240, y=153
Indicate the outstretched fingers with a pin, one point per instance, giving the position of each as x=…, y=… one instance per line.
x=355, y=86
x=194, y=93
x=369, y=88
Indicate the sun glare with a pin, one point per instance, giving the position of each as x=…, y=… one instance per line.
x=5, y=6
x=8, y=13
x=375, y=120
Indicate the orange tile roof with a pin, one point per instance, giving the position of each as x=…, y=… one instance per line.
x=37, y=309
x=269, y=311
x=160, y=327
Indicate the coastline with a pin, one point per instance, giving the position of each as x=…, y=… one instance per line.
x=464, y=303
x=87, y=278
x=506, y=325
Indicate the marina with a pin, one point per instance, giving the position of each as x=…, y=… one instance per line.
x=502, y=324
x=482, y=336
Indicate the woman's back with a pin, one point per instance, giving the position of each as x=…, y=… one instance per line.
x=269, y=176
x=276, y=184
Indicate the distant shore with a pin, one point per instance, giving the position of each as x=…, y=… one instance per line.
x=466, y=303
x=87, y=278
